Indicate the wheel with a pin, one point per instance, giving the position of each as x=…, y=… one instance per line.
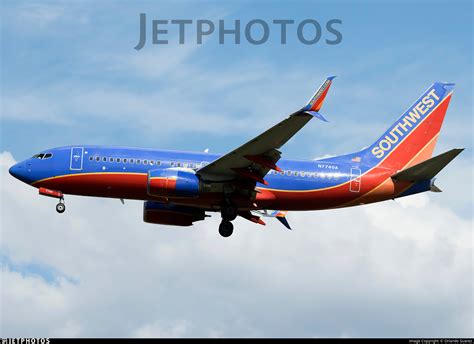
x=60, y=207
x=226, y=228
x=229, y=213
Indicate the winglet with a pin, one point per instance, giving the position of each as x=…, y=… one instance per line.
x=317, y=100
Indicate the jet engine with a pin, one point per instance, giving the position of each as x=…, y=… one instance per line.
x=173, y=183
x=174, y=215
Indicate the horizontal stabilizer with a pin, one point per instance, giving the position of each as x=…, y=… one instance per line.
x=427, y=169
x=433, y=187
x=278, y=214
x=284, y=221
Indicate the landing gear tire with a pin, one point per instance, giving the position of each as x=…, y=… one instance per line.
x=229, y=213
x=226, y=228
x=60, y=207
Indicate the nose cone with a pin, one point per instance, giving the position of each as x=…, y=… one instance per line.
x=18, y=171
x=14, y=170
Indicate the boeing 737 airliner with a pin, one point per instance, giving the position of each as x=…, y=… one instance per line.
x=180, y=187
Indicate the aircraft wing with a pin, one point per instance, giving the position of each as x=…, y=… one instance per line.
x=254, y=159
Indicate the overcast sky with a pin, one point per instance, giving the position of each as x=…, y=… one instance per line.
x=70, y=75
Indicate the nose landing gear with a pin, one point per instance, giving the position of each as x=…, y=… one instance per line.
x=61, y=207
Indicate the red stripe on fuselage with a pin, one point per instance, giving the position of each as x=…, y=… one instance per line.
x=134, y=185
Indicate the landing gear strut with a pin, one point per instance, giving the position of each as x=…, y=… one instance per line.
x=61, y=207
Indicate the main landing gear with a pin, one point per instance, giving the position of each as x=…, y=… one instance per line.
x=228, y=213
x=226, y=228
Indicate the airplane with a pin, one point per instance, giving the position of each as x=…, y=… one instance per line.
x=252, y=181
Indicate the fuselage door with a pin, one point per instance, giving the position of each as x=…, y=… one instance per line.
x=77, y=154
x=355, y=180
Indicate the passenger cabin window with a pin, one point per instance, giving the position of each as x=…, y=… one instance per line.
x=118, y=159
x=132, y=160
x=111, y=159
x=158, y=163
x=97, y=158
x=104, y=159
x=145, y=162
x=138, y=161
x=152, y=162
x=125, y=160
x=91, y=158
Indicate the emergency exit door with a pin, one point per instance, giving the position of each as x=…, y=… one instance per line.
x=76, y=158
x=355, y=180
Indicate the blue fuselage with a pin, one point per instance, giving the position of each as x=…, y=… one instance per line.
x=121, y=172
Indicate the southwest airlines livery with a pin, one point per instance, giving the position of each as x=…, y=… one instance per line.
x=178, y=188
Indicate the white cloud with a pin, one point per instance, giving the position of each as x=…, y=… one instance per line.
x=152, y=64
x=155, y=330
x=399, y=268
x=40, y=15
x=30, y=305
x=188, y=94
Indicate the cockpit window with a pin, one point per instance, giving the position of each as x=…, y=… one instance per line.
x=42, y=156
